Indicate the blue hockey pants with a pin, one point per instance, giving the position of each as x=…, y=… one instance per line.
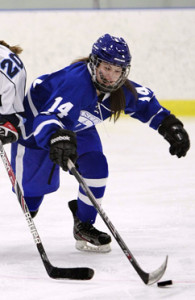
x=33, y=166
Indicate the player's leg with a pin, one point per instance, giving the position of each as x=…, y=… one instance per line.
x=32, y=168
x=94, y=169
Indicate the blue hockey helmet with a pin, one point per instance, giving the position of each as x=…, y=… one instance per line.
x=113, y=50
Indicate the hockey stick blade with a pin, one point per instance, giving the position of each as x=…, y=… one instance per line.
x=64, y=273
x=53, y=272
x=71, y=273
x=155, y=276
x=148, y=278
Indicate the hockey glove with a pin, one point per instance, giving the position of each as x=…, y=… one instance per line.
x=172, y=130
x=63, y=145
x=8, y=133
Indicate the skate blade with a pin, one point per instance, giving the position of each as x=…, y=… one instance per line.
x=84, y=246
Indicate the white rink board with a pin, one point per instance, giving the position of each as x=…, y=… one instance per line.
x=162, y=43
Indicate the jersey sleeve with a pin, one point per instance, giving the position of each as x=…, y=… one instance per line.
x=44, y=126
x=147, y=108
x=60, y=109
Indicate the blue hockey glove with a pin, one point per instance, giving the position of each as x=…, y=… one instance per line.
x=172, y=130
x=63, y=145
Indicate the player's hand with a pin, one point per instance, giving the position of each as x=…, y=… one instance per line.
x=63, y=145
x=172, y=130
x=8, y=133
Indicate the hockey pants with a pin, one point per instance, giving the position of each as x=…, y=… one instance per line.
x=33, y=166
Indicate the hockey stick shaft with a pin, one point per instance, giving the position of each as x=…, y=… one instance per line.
x=148, y=278
x=53, y=272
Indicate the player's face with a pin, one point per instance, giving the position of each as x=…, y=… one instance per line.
x=108, y=74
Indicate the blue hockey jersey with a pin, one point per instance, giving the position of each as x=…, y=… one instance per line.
x=68, y=99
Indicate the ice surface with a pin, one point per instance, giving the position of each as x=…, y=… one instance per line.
x=150, y=201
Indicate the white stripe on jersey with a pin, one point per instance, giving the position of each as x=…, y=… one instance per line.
x=149, y=122
x=31, y=104
x=40, y=127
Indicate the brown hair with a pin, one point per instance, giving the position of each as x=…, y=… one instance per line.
x=15, y=49
x=117, y=98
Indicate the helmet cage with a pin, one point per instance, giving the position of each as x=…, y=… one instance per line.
x=94, y=62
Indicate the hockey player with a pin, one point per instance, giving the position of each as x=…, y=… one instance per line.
x=62, y=110
x=12, y=89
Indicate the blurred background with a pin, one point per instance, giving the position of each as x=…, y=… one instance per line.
x=160, y=35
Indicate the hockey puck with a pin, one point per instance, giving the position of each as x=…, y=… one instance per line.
x=164, y=283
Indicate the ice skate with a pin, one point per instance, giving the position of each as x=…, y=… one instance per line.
x=88, y=238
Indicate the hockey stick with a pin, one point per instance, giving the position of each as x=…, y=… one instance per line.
x=53, y=272
x=148, y=278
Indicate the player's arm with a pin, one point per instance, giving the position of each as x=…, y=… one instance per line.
x=167, y=124
x=149, y=110
x=146, y=108
x=59, y=111
x=11, y=102
x=50, y=133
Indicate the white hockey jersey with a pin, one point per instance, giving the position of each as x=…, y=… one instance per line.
x=12, y=82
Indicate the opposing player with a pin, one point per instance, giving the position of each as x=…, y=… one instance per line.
x=62, y=110
x=12, y=89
